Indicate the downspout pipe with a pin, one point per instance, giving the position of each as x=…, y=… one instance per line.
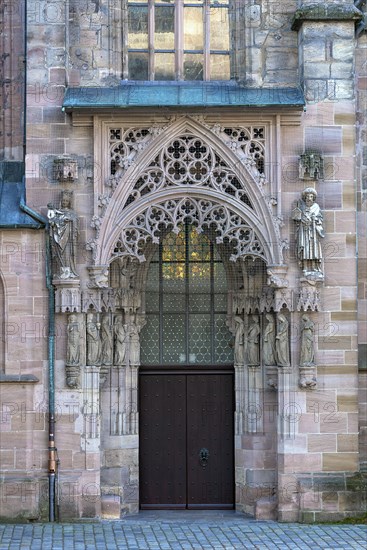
x=52, y=461
x=52, y=450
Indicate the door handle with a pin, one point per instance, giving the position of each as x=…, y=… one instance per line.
x=203, y=457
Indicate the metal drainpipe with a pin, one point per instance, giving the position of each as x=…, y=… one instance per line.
x=52, y=450
x=52, y=461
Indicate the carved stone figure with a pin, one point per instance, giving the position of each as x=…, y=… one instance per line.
x=106, y=341
x=282, y=342
x=253, y=350
x=239, y=341
x=128, y=269
x=134, y=330
x=269, y=341
x=120, y=334
x=64, y=232
x=309, y=220
x=93, y=341
x=73, y=346
x=307, y=342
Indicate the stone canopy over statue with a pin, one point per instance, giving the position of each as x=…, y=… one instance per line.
x=309, y=220
x=64, y=232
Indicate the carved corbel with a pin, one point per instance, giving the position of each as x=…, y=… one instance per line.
x=307, y=378
x=277, y=276
x=98, y=276
x=271, y=374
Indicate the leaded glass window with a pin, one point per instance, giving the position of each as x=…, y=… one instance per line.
x=177, y=40
x=186, y=304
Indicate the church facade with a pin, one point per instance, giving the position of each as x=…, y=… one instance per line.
x=183, y=258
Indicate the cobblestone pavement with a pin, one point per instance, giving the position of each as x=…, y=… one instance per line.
x=169, y=532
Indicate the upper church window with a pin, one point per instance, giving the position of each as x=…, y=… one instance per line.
x=178, y=40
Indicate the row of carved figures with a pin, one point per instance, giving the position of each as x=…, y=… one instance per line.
x=108, y=340
x=274, y=341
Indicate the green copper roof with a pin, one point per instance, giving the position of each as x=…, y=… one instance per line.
x=11, y=214
x=180, y=94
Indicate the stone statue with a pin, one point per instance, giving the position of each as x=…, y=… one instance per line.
x=134, y=330
x=253, y=351
x=239, y=341
x=73, y=346
x=64, y=232
x=120, y=334
x=128, y=269
x=106, y=341
x=309, y=220
x=93, y=341
x=307, y=342
x=282, y=342
x=269, y=341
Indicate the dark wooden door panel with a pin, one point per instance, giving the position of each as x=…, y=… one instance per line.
x=163, y=441
x=179, y=416
x=210, y=427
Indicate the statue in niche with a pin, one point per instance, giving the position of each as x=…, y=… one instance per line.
x=269, y=341
x=308, y=218
x=64, y=232
x=128, y=269
x=120, y=334
x=282, y=342
x=93, y=341
x=73, y=347
x=134, y=330
x=106, y=341
x=307, y=343
x=253, y=350
x=239, y=341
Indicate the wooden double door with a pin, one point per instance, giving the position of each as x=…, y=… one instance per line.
x=186, y=440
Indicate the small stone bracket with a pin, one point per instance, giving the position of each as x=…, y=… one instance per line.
x=307, y=378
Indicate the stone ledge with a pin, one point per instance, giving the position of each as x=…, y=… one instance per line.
x=325, y=12
x=18, y=378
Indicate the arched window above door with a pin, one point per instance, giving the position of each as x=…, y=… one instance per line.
x=186, y=303
x=178, y=40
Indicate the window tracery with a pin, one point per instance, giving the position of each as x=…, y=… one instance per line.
x=186, y=160
x=149, y=225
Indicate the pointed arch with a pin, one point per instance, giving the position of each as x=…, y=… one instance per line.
x=188, y=162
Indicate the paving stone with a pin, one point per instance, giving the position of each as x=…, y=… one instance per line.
x=182, y=530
